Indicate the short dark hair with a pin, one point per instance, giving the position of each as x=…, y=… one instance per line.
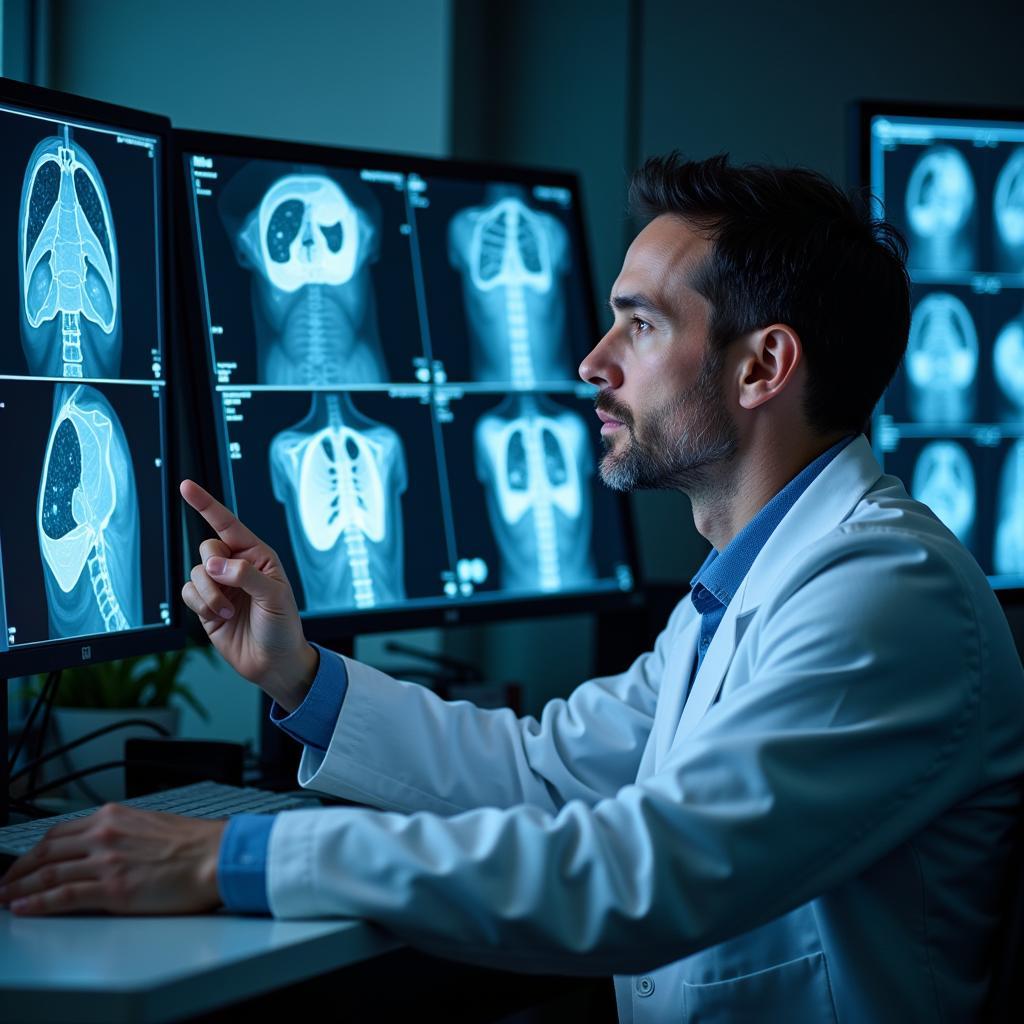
x=790, y=247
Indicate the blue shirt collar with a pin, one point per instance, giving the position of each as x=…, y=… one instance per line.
x=715, y=583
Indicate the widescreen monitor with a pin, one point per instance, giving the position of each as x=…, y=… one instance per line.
x=951, y=425
x=88, y=531
x=391, y=347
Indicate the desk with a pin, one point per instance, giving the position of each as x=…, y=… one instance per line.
x=151, y=969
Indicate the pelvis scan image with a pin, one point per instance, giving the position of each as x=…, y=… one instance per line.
x=88, y=518
x=943, y=479
x=534, y=462
x=340, y=477
x=940, y=203
x=309, y=248
x=512, y=260
x=1008, y=212
x=68, y=265
x=942, y=360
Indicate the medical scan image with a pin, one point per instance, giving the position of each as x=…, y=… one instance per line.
x=309, y=248
x=1008, y=213
x=943, y=478
x=68, y=265
x=512, y=259
x=340, y=477
x=88, y=518
x=940, y=204
x=1008, y=556
x=534, y=460
x=941, y=361
x=1008, y=364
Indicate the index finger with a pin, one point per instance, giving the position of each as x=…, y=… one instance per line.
x=227, y=525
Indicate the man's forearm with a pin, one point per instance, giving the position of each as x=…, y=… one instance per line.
x=291, y=692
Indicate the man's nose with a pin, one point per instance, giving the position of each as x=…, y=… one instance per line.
x=600, y=366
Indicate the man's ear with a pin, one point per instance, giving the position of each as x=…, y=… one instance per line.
x=771, y=358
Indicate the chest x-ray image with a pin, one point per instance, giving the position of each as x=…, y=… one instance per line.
x=942, y=360
x=1008, y=556
x=1008, y=363
x=88, y=518
x=943, y=479
x=1008, y=212
x=940, y=206
x=513, y=260
x=534, y=461
x=68, y=265
x=340, y=477
x=309, y=248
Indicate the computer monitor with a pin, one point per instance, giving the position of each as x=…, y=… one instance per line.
x=951, y=424
x=390, y=345
x=88, y=531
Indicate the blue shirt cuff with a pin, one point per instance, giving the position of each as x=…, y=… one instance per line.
x=312, y=722
x=242, y=863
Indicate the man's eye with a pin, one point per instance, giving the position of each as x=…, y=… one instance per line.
x=639, y=323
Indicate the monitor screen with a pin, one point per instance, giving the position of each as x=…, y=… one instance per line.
x=391, y=345
x=85, y=537
x=951, y=425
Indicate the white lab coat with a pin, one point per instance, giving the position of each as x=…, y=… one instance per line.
x=817, y=832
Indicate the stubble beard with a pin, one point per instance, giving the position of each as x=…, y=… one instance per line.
x=678, y=444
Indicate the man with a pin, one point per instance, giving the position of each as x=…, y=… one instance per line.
x=796, y=807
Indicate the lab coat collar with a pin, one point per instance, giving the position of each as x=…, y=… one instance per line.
x=828, y=500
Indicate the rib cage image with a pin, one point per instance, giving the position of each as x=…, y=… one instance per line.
x=534, y=461
x=87, y=519
x=68, y=265
x=309, y=249
x=942, y=360
x=512, y=260
x=943, y=479
x=340, y=477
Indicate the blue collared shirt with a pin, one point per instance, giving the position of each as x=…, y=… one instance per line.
x=242, y=862
x=715, y=583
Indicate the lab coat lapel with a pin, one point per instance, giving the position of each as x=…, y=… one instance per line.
x=828, y=500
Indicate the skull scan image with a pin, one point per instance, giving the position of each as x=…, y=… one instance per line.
x=309, y=249
x=1008, y=363
x=512, y=260
x=87, y=519
x=68, y=267
x=340, y=477
x=942, y=360
x=940, y=203
x=534, y=461
x=1008, y=556
x=943, y=479
x=1008, y=211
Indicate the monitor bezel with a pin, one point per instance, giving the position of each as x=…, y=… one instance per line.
x=861, y=113
x=49, y=656
x=343, y=626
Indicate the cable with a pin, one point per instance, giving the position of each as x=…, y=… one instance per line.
x=113, y=727
x=26, y=727
x=49, y=699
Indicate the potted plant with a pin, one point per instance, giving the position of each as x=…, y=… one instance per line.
x=92, y=697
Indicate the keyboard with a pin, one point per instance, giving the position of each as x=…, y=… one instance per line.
x=199, y=800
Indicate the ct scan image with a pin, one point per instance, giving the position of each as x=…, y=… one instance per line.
x=533, y=516
x=83, y=527
x=84, y=248
x=308, y=276
x=504, y=284
x=330, y=479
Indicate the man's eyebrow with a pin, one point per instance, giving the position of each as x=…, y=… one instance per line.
x=637, y=301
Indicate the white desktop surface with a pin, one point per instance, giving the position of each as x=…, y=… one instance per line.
x=113, y=969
